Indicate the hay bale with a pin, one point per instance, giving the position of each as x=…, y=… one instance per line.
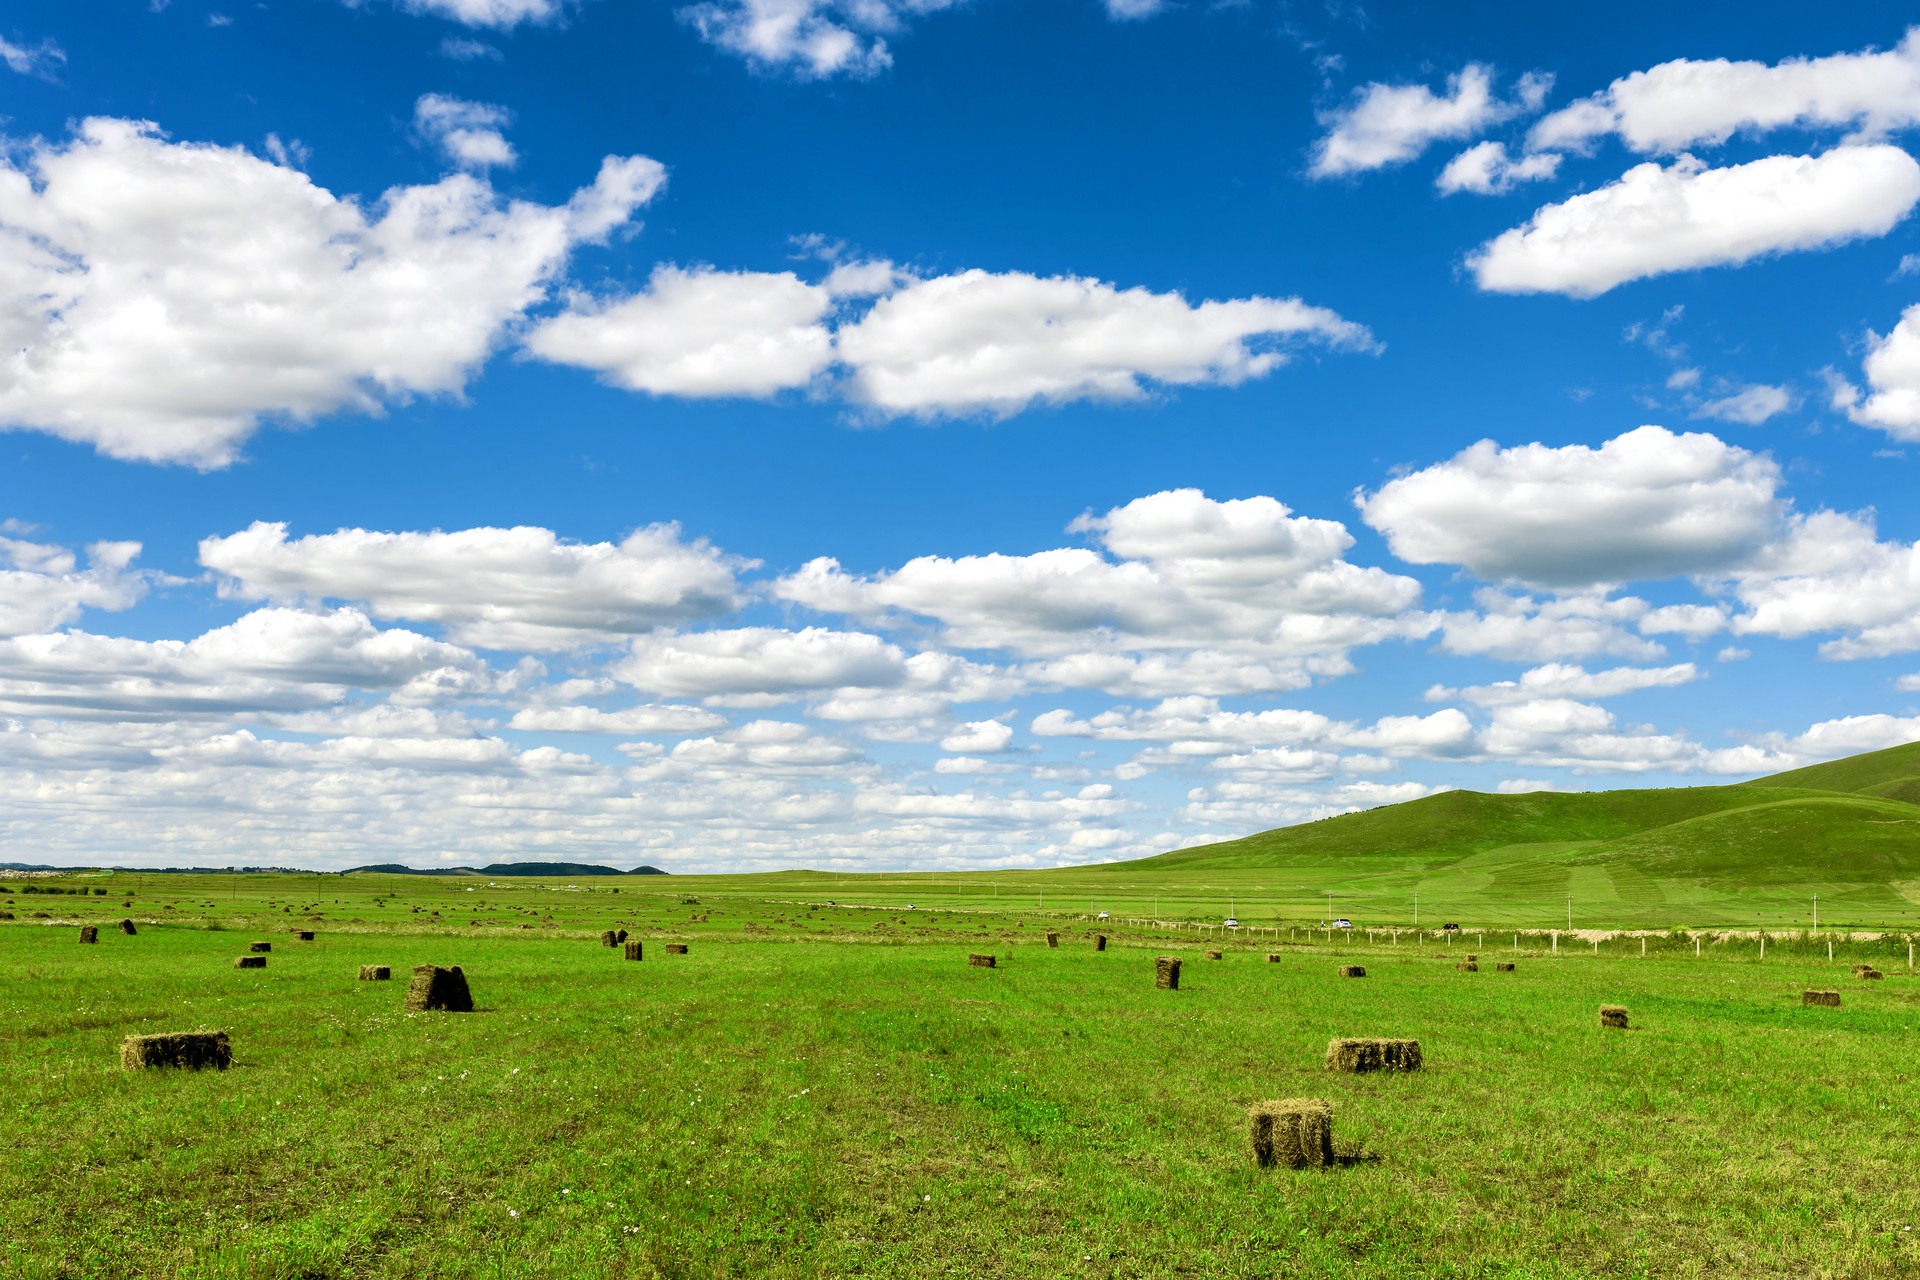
x=1859, y=969
x=633, y=950
x=1870, y=974
x=190, y=1049
x=1053, y=939
x=1471, y=959
x=622, y=935
x=1213, y=955
x=260, y=947
x=1467, y=966
x=306, y=935
x=981, y=962
x=1363, y=1054
x=250, y=962
x=126, y=927
x=608, y=939
x=676, y=948
x=1505, y=966
x=375, y=973
x=1273, y=957
x=1166, y=973
x=1099, y=942
x=89, y=933
x=1353, y=971
x=1831, y=999
x=1613, y=1015
x=437, y=988
x=1294, y=1132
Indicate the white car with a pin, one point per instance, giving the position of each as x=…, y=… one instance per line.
x=1101, y=916
x=1343, y=924
x=1232, y=923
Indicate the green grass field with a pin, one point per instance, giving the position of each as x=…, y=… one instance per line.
x=834, y=1092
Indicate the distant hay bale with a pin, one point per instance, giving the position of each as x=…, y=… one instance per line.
x=126, y=927
x=1213, y=955
x=89, y=933
x=1294, y=1132
x=375, y=973
x=1831, y=999
x=1467, y=966
x=676, y=948
x=1613, y=1015
x=981, y=962
x=1362, y=1054
x=1053, y=939
x=622, y=935
x=190, y=1049
x=250, y=962
x=633, y=950
x=1867, y=972
x=260, y=947
x=1859, y=969
x=1166, y=973
x=1273, y=957
x=437, y=988
x=1099, y=942
x=609, y=939
x=1472, y=958
x=306, y=935
x=1505, y=966
x=1353, y=971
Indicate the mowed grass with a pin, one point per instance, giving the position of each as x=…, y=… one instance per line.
x=850, y=1098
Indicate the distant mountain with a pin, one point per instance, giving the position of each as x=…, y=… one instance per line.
x=551, y=869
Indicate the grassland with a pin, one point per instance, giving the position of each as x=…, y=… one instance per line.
x=819, y=1091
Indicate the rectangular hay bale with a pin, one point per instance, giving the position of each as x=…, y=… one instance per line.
x=608, y=939
x=981, y=962
x=1213, y=955
x=633, y=950
x=1831, y=999
x=1053, y=940
x=375, y=973
x=1353, y=971
x=1099, y=942
x=89, y=933
x=1613, y=1015
x=1361, y=1054
x=1273, y=957
x=1505, y=966
x=1166, y=973
x=250, y=962
x=676, y=948
x=1868, y=974
x=435, y=987
x=1467, y=966
x=261, y=947
x=190, y=1049
x=1293, y=1132
x=126, y=927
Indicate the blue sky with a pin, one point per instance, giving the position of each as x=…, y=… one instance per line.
x=780, y=433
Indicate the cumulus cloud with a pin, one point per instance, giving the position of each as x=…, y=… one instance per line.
x=1893, y=375
x=981, y=736
x=995, y=343
x=1561, y=680
x=43, y=587
x=1196, y=727
x=1388, y=124
x=143, y=323
x=656, y=718
x=1690, y=102
x=43, y=60
x=468, y=133
x=1646, y=504
x=1486, y=169
x=501, y=14
x=1749, y=406
x=746, y=662
x=811, y=39
x=519, y=588
x=1523, y=629
x=697, y=333
x=1654, y=220
x=1831, y=572
x=1244, y=576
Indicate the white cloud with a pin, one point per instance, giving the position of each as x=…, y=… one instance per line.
x=1694, y=621
x=1486, y=169
x=467, y=132
x=655, y=718
x=1831, y=572
x=698, y=332
x=1560, y=680
x=463, y=49
x=1749, y=407
x=1390, y=124
x=1134, y=10
x=1689, y=102
x=43, y=587
x=980, y=736
x=1244, y=577
x=981, y=342
x=1653, y=220
x=1893, y=372
x=812, y=39
x=520, y=588
x=501, y=14
x=134, y=293
x=1522, y=629
x=1646, y=504
x=749, y=661
x=1196, y=728
x=43, y=59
